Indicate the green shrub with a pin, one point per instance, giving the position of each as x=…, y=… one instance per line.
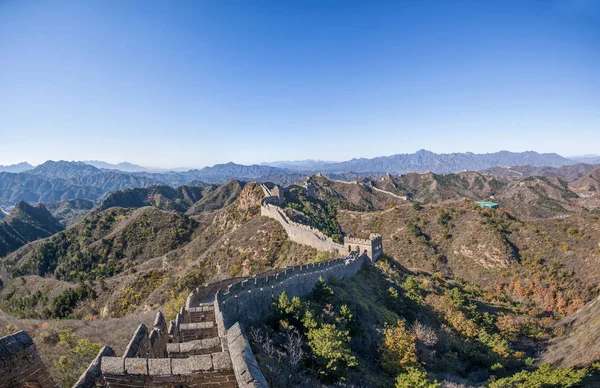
x=415, y=378
x=411, y=287
x=546, y=376
x=322, y=292
x=64, y=304
x=331, y=349
x=81, y=352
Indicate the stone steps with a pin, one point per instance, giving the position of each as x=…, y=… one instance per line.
x=210, y=370
x=197, y=331
x=203, y=380
x=201, y=314
x=190, y=348
x=197, y=360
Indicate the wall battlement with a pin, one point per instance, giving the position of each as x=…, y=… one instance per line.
x=149, y=344
x=235, y=301
x=20, y=363
x=250, y=300
x=308, y=235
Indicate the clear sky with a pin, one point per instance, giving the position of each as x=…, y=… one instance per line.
x=194, y=83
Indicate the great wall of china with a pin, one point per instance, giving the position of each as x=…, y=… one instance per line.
x=205, y=345
x=308, y=235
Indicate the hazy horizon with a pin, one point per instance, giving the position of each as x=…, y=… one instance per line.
x=267, y=162
x=197, y=84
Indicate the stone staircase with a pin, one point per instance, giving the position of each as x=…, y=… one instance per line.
x=195, y=357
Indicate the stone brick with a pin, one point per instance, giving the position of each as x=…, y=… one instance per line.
x=211, y=343
x=202, y=363
x=192, y=364
x=112, y=365
x=159, y=366
x=173, y=348
x=221, y=361
x=136, y=366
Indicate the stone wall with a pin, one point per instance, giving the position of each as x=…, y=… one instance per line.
x=20, y=363
x=207, y=293
x=246, y=368
x=250, y=300
x=308, y=235
x=210, y=370
x=149, y=344
x=301, y=234
x=92, y=375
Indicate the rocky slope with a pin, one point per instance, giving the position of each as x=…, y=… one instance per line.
x=71, y=211
x=136, y=257
x=567, y=173
x=26, y=223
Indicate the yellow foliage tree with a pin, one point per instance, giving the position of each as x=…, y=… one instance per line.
x=398, y=350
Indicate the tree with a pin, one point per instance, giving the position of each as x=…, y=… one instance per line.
x=415, y=378
x=546, y=376
x=80, y=353
x=398, y=350
x=284, y=306
x=331, y=349
x=321, y=292
x=412, y=289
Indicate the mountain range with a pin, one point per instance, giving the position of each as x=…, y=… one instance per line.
x=94, y=180
x=26, y=223
x=16, y=168
x=145, y=248
x=424, y=160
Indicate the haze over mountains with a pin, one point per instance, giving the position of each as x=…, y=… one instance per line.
x=94, y=180
x=424, y=160
x=16, y=168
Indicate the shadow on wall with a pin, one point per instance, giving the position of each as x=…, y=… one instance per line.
x=20, y=363
x=308, y=235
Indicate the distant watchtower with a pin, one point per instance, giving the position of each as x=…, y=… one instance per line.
x=279, y=193
x=372, y=246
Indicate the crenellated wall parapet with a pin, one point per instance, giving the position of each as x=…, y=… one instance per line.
x=20, y=363
x=91, y=377
x=250, y=300
x=302, y=234
x=207, y=293
x=149, y=344
x=308, y=235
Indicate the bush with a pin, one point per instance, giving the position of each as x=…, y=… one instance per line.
x=321, y=291
x=411, y=287
x=64, y=304
x=331, y=349
x=70, y=366
x=546, y=376
x=415, y=378
x=173, y=305
x=284, y=306
x=398, y=351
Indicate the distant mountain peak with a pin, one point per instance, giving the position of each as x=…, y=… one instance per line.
x=424, y=160
x=122, y=166
x=16, y=168
x=63, y=169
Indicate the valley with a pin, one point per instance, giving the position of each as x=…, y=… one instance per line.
x=530, y=265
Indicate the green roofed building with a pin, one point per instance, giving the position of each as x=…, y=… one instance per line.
x=487, y=205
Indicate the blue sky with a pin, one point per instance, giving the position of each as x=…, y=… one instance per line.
x=194, y=83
